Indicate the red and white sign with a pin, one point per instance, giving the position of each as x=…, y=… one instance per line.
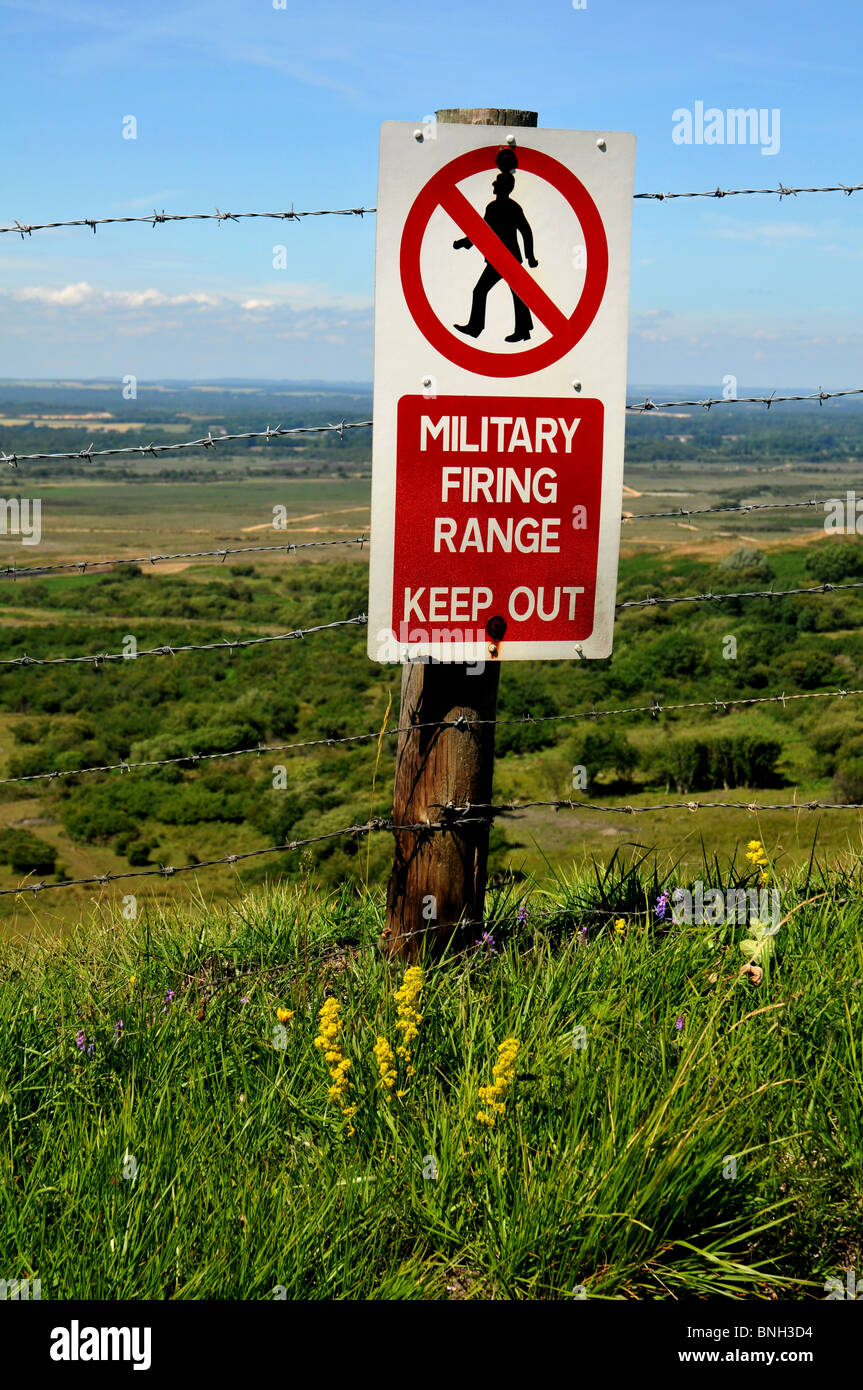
x=501, y=304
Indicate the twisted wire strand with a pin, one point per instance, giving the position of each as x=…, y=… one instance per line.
x=156, y=219
x=210, y=441
x=82, y=566
x=226, y=644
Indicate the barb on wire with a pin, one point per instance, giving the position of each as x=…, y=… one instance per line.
x=644, y=407
x=156, y=219
x=209, y=442
x=654, y=710
x=229, y=644
x=825, y=588
x=82, y=566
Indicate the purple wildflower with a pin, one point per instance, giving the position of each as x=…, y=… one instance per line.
x=523, y=914
x=91, y=1049
x=582, y=935
x=661, y=906
x=678, y=1023
x=80, y=1040
x=169, y=997
x=245, y=999
x=118, y=1028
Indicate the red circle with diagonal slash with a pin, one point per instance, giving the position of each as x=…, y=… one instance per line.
x=442, y=191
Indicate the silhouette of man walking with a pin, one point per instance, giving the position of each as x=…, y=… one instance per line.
x=506, y=219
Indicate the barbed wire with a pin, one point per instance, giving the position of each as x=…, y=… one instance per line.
x=781, y=191
x=15, y=572
x=755, y=807
x=626, y=517
x=169, y=871
x=230, y=644
x=453, y=819
x=824, y=588
x=155, y=219
x=82, y=566
x=210, y=442
x=708, y=402
x=461, y=722
x=235, y=643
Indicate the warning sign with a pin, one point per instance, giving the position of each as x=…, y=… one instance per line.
x=500, y=365
x=481, y=497
x=497, y=237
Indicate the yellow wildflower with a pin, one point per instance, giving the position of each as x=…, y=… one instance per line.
x=503, y=1076
x=386, y=1065
x=349, y=1111
x=757, y=857
x=620, y=925
x=408, y=1017
x=330, y=1026
x=283, y=1015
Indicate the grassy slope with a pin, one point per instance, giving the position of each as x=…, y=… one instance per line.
x=606, y=1172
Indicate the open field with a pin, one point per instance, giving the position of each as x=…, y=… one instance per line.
x=88, y=519
x=77, y=716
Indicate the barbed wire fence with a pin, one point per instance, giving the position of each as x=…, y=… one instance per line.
x=157, y=219
x=655, y=709
x=451, y=817
x=211, y=441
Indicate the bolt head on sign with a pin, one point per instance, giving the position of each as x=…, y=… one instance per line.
x=501, y=306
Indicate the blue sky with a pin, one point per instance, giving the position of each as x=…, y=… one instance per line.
x=245, y=106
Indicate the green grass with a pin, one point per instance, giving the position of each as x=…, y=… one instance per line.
x=608, y=1170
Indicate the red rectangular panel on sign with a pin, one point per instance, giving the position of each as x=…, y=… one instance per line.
x=497, y=517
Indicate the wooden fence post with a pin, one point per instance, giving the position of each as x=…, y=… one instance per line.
x=437, y=885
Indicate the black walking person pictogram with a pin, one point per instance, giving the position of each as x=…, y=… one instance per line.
x=506, y=219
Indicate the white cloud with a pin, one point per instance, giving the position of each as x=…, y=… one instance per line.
x=311, y=298
x=81, y=294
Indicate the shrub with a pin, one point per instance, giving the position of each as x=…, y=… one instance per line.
x=835, y=561
x=747, y=564
x=138, y=853
x=25, y=853
x=698, y=762
x=848, y=782
x=600, y=750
